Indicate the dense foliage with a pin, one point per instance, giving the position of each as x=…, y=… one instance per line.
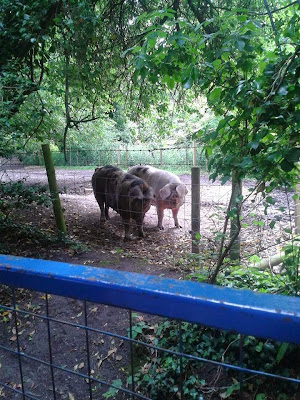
x=251, y=83
x=161, y=374
x=65, y=70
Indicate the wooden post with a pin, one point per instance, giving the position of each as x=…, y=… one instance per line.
x=77, y=158
x=161, y=157
x=194, y=153
x=126, y=155
x=195, y=222
x=70, y=156
x=59, y=216
x=118, y=156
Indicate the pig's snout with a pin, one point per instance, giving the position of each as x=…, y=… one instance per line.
x=173, y=200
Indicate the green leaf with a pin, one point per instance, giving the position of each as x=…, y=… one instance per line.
x=215, y=94
x=282, y=91
x=151, y=42
x=230, y=390
x=242, y=18
x=286, y=165
x=188, y=83
x=113, y=390
x=216, y=64
x=262, y=66
x=270, y=200
x=260, y=396
x=254, y=144
x=180, y=42
x=281, y=352
x=271, y=56
x=240, y=44
x=246, y=162
x=224, y=179
x=272, y=224
x=225, y=56
x=293, y=155
x=126, y=51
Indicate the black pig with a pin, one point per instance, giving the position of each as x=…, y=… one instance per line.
x=128, y=195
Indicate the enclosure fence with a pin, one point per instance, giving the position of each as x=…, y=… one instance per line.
x=244, y=312
x=263, y=233
x=176, y=156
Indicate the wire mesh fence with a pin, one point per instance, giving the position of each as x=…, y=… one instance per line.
x=88, y=338
x=178, y=157
x=264, y=230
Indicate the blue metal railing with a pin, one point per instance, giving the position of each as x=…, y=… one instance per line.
x=262, y=315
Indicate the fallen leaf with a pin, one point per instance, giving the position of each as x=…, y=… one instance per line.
x=110, y=352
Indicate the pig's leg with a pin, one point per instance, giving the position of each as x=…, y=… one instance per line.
x=126, y=223
x=160, y=215
x=102, y=212
x=139, y=224
x=106, y=212
x=106, y=201
x=175, y=212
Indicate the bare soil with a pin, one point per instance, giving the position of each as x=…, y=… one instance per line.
x=163, y=253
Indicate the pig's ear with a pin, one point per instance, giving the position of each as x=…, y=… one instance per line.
x=181, y=190
x=136, y=193
x=165, y=192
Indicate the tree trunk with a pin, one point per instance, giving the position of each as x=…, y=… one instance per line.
x=195, y=223
x=235, y=251
x=59, y=216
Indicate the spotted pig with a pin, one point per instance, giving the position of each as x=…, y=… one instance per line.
x=128, y=195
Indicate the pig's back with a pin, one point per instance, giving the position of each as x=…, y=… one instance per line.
x=156, y=178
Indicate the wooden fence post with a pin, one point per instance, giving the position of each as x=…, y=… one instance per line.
x=59, y=216
x=194, y=153
x=118, y=156
x=126, y=156
x=161, y=156
x=70, y=156
x=195, y=223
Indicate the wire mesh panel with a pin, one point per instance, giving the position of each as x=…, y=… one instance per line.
x=267, y=221
x=89, y=345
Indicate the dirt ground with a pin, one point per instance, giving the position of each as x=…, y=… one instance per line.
x=163, y=253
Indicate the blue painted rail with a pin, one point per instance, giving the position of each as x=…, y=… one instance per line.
x=242, y=311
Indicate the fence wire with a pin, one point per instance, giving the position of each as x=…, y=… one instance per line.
x=55, y=347
x=264, y=231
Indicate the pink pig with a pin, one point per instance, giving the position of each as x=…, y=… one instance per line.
x=168, y=189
